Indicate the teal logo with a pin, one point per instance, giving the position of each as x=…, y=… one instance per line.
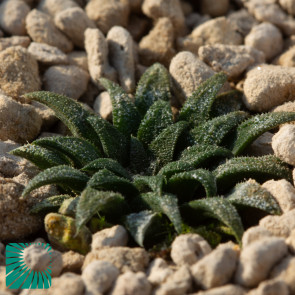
x=24, y=270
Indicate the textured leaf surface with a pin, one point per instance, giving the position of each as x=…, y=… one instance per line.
x=214, y=131
x=148, y=183
x=153, y=85
x=68, y=207
x=203, y=155
x=164, y=144
x=139, y=224
x=70, y=112
x=63, y=175
x=157, y=118
x=109, y=164
x=114, y=144
x=139, y=159
x=184, y=184
x=50, y=204
x=227, y=102
x=166, y=203
x=175, y=167
x=93, y=201
x=197, y=107
x=252, y=194
x=78, y=150
x=252, y=128
x=41, y=157
x=221, y=210
x=258, y=168
x=126, y=117
x=106, y=180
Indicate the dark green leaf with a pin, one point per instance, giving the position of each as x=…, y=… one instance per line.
x=50, y=204
x=259, y=168
x=166, y=203
x=150, y=183
x=126, y=117
x=106, y=180
x=93, y=201
x=220, y=209
x=153, y=85
x=68, y=207
x=70, y=112
x=157, y=118
x=175, y=167
x=139, y=159
x=41, y=157
x=197, y=107
x=164, y=144
x=109, y=164
x=80, y=151
x=184, y=184
x=227, y=102
x=252, y=128
x=63, y=175
x=139, y=224
x=214, y=131
x=252, y=194
x=204, y=155
x=114, y=144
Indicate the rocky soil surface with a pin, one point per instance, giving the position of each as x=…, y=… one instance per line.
x=66, y=46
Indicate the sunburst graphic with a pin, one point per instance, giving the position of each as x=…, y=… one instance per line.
x=20, y=274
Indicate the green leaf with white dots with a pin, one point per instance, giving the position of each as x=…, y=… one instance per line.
x=41, y=157
x=150, y=183
x=153, y=85
x=175, y=167
x=126, y=117
x=62, y=175
x=139, y=157
x=197, y=107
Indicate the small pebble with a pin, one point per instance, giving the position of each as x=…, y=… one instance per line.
x=254, y=234
x=158, y=271
x=52, y=7
x=103, y=105
x=78, y=58
x=6, y=42
x=72, y=261
x=224, y=290
x=214, y=8
x=271, y=287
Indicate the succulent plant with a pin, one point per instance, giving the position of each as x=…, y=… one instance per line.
x=153, y=172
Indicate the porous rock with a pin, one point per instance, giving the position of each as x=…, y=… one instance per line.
x=47, y=54
x=158, y=271
x=253, y=234
x=67, y=80
x=158, y=45
x=2, y=254
x=73, y=22
x=41, y=29
x=283, y=143
x=18, y=72
x=283, y=192
x=121, y=52
x=288, y=5
x=78, y=58
x=261, y=146
x=267, y=38
x=217, y=268
x=18, y=122
x=257, y=260
x=131, y=283
x=267, y=86
x=72, y=261
x=286, y=59
x=285, y=271
x=6, y=42
x=270, y=287
x=124, y=258
x=188, y=72
x=115, y=236
x=214, y=8
x=103, y=105
x=108, y=13
x=99, y=276
x=12, y=16
x=290, y=241
x=46, y=113
x=69, y=282
x=137, y=26
x=280, y=226
x=156, y=9
x=188, y=249
x=231, y=59
x=216, y=31
x=178, y=283
x=227, y=289
x=52, y=7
